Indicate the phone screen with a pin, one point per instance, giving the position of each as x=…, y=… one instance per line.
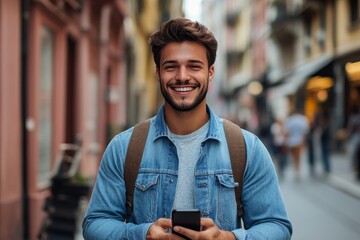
x=188, y=218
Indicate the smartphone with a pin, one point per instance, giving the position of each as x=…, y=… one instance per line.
x=188, y=218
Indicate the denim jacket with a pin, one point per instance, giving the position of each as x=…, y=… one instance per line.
x=264, y=211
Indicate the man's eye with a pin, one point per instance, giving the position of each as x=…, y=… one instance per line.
x=195, y=67
x=170, y=67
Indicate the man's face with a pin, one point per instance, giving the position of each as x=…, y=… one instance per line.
x=184, y=74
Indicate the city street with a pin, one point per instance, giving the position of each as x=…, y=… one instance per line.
x=318, y=210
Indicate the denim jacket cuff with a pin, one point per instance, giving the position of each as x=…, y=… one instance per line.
x=139, y=231
x=240, y=234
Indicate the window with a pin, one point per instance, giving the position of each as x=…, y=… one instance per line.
x=307, y=37
x=321, y=33
x=354, y=10
x=45, y=104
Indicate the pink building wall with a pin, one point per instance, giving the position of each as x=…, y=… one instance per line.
x=98, y=35
x=10, y=121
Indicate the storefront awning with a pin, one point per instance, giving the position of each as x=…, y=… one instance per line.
x=299, y=77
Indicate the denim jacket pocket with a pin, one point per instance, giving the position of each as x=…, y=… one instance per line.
x=145, y=181
x=226, y=180
x=226, y=202
x=146, y=197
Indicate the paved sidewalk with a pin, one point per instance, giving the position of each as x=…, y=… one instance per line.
x=82, y=210
x=342, y=176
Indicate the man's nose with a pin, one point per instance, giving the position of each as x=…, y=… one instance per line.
x=182, y=74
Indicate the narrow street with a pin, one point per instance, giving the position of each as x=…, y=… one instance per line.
x=319, y=210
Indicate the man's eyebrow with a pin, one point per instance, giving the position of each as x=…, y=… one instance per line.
x=175, y=61
x=196, y=61
x=169, y=62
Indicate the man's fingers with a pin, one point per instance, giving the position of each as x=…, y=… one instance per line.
x=159, y=230
x=164, y=222
x=186, y=232
x=206, y=222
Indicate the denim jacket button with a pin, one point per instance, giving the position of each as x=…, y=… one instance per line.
x=204, y=214
x=201, y=185
x=171, y=180
x=142, y=186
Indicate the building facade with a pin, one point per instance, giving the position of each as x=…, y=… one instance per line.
x=315, y=59
x=300, y=54
x=231, y=25
x=347, y=58
x=63, y=80
x=10, y=122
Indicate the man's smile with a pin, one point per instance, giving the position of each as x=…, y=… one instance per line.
x=183, y=89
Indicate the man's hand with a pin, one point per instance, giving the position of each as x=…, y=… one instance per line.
x=159, y=230
x=208, y=231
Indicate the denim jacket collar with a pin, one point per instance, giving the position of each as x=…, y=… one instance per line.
x=215, y=123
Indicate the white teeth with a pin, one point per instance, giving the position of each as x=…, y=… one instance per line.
x=184, y=89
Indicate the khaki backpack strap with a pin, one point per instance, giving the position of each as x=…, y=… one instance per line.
x=133, y=159
x=237, y=151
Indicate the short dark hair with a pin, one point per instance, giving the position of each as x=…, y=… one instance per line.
x=180, y=30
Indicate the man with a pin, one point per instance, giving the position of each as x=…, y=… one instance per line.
x=186, y=162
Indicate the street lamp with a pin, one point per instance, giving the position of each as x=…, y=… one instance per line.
x=255, y=88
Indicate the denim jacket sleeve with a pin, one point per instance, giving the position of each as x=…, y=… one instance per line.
x=106, y=211
x=264, y=216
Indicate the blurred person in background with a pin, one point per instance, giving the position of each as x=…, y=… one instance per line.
x=264, y=131
x=186, y=160
x=353, y=132
x=296, y=129
x=310, y=145
x=324, y=138
x=319, y=142
x=279, y=146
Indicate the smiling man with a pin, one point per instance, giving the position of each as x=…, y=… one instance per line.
x=184, y=75
x=186, y=163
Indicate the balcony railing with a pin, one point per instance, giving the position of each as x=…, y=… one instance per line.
x=310, y=7
x=282, y=22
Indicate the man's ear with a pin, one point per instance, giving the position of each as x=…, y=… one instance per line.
x=211, y=72
x=158, y=73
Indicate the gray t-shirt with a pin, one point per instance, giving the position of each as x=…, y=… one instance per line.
x=188, y=149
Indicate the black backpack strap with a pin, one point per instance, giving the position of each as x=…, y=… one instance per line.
x=132, y=161
x=237, y=151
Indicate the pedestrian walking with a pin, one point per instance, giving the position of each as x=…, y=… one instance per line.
x=279, y=146
x=353, y=131
x=296, y=127
x=186, y=162
x=319, y=142
x=310, y=145
x=325, y=137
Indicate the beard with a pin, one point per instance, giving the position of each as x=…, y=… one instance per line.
x=183, y=106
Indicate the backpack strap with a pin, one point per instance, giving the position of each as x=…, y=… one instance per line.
x=237, y=151
x=132, y=161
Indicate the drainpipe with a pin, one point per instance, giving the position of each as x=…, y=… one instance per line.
x=24, y=55
x=339, y=75
x=334, y=26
